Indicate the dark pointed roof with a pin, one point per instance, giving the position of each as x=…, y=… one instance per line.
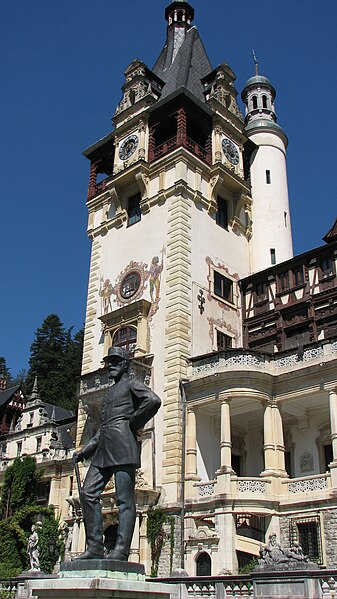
x=7, y=394
x=331, y=234
x=189, y=66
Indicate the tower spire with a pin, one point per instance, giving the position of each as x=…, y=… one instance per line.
x=256, y=63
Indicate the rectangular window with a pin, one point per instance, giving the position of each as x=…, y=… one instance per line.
x=309, y=537
x=268, y=177
x=221, y=214
x=223, y=341
x=134, y=211
x=38, y=444
x=298, y=276
x=223, y=287
x=327, y=266
x=261, y=292
x=19, y=448
x=272, y=256
x=284, y=281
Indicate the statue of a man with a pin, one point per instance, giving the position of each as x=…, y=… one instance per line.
x=126, y=408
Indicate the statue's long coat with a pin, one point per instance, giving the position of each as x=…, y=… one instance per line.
x=127, y=407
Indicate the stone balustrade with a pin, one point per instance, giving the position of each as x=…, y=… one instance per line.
x=271, y=364
x=305, y=484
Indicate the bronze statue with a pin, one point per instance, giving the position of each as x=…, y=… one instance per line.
x=126, y=408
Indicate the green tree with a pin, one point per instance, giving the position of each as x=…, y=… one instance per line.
x=4, y=371
x=19, y=511
x=19, y=487
x=56, y=361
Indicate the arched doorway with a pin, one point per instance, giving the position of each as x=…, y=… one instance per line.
x=204, y=564
x=110, y=535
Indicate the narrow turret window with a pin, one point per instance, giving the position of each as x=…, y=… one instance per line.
x=254, y=102
x=264, y=101
x=268, y=177
x=272, y=256
x=221, y=216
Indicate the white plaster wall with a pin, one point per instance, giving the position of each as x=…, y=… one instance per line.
x=208, y=448
x=140, y=243
x=229, y=250
x=254, y=452
x=270, y=202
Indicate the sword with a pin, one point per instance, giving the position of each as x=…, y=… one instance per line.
x=79, y=486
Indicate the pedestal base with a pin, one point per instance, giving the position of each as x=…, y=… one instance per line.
x=102, y=568
x=78, y=580
x=286, y=585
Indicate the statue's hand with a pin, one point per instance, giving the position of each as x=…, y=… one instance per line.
x=77, y=457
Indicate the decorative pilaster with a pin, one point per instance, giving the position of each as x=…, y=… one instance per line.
x=177, y=336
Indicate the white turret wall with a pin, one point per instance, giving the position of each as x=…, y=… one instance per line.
x=270, y=210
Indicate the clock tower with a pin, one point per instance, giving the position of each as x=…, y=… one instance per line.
x=170, y=219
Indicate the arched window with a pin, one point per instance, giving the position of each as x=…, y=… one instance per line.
x=264, y=101
x=254, y=102
x=126, y=337
x=180, y=15
x=204, y=564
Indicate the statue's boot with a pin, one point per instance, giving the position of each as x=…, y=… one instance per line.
x=117, y=555
x=89, y=555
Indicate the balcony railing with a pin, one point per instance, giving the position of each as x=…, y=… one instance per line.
x=273, y=364
x=172, y=144
x=308, y=484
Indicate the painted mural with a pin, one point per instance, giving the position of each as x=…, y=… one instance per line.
x=131, y=284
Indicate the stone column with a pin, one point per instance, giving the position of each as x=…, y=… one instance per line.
x=135, y=548
x=217, y=145
x=279, y=440
x=225, y=437
x=269, y=440
x=333, y=422
x=191, y=446
x=141, y=153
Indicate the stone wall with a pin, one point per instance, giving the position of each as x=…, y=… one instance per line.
x=284, y=531
x=164, y=569
x=330, y=537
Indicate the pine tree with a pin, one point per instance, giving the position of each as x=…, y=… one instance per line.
x=56, y=361
x=4, y=371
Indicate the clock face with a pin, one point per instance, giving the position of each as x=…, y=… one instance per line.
x=230, y=151
x=128, y=147
x=130, y=284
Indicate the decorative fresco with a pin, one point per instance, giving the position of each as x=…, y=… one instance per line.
x=105, y=293
x=131, y=283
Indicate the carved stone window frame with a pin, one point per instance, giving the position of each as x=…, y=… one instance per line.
x=134, y=315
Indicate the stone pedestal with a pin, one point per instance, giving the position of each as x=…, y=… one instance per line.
x=286, y=585
x=96, y=579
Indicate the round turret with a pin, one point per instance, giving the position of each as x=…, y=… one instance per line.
x=271, y=240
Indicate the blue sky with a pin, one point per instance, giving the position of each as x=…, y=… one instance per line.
x=62, y=66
